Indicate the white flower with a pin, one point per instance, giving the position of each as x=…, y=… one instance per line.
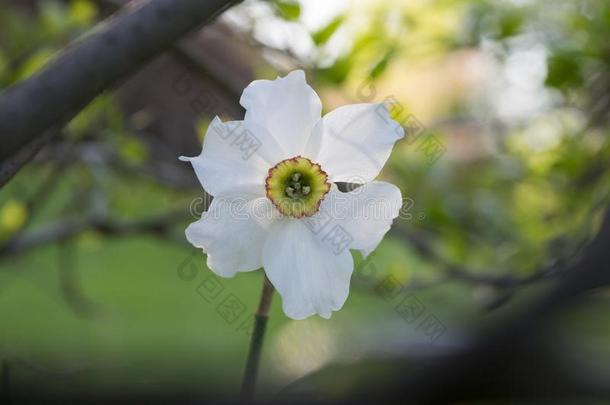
x=275, y=205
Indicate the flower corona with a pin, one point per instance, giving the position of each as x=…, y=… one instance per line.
x=296, y=186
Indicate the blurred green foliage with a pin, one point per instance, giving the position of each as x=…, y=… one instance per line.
x=287, y=9
x=515, y=209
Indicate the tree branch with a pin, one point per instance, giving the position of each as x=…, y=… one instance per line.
x=88, y=67
x=452, y=271
x=10, y=166
x=515, y=349
x=72, y=227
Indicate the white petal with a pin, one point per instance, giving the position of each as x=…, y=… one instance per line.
x=353, y=142
x=232, y=233
x=362, y=216
x=308, y=275
x=234, y=159
x=287, y=107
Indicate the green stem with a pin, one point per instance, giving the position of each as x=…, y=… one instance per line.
x=256, y=342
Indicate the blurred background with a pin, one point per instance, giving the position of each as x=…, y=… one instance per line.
x=504, y=171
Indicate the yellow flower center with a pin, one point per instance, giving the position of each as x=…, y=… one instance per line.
x=297, y=186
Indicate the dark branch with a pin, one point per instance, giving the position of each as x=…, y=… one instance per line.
x=10, y=166
x=69, y=281
x=516, y=349
x=454, y=272
x=114, y=50
x=69, y=228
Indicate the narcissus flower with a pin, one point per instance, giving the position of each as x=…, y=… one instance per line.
x=276, y=204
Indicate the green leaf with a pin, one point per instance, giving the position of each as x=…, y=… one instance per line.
x=511, y=23
x=82, y=12
x=132, y=150
x=337, y=73
x=382, y=64
x=288, y=10
x=53, y=17
x=323, y=35
x=564, y=70
x=13, y=215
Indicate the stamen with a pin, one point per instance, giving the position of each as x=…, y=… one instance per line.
x=296, y=186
